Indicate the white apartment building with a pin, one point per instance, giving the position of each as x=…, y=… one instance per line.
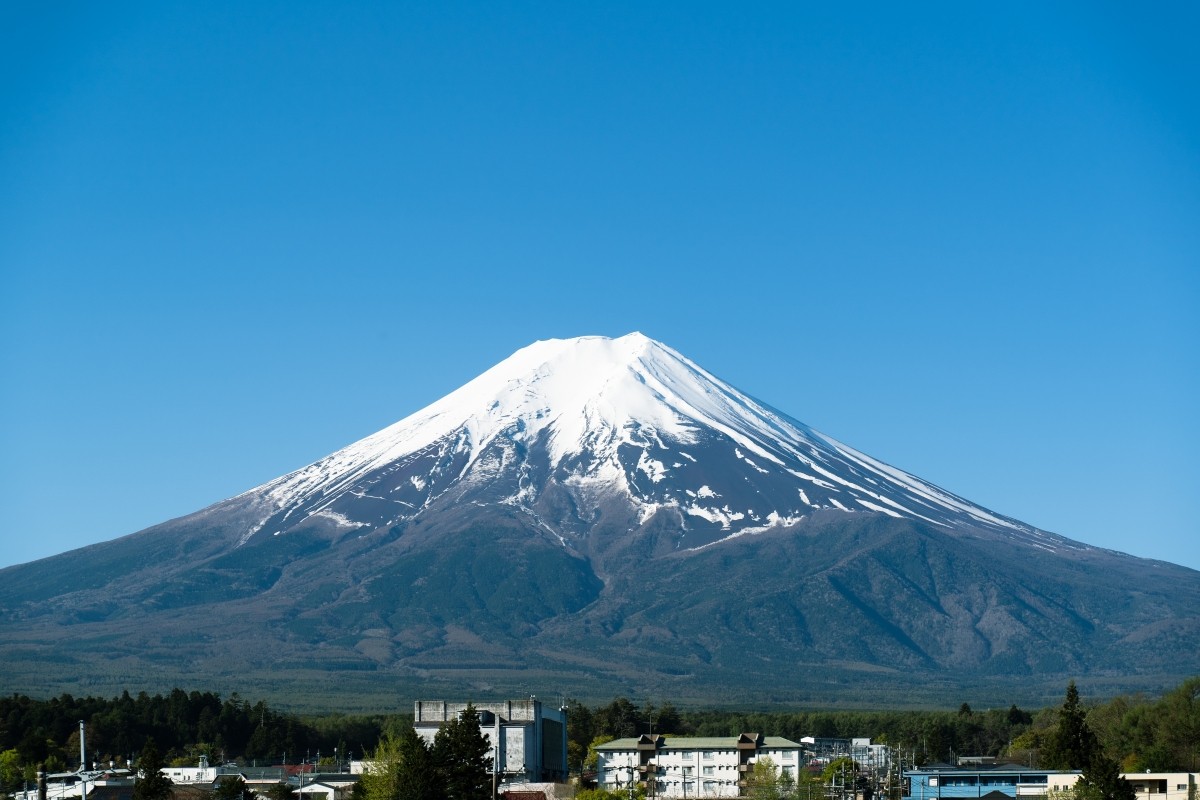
x=1148, y=785
x=688, y=766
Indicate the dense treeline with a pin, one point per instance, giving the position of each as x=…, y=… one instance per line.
x=927, y=735
x=1138, y=732
x=183, y=726
x=1135, y=731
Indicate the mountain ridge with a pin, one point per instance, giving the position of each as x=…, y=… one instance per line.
x=607, y=516
x=568, y=399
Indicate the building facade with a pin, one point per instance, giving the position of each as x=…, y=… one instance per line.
x=1000, y=781
x=935, y=781
x=687, y=766
x=528, y=739
x=1151, y=785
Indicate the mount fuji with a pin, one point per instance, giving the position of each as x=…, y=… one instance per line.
x=569, y=430
x=597, y=516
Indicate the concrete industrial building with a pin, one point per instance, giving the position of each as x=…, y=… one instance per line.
x=528, y=739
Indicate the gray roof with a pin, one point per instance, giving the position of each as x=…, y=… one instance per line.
x=981, y=769
x=254, y=773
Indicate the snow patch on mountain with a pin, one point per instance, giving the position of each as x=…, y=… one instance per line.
x=341, y=520
x=653, y=468
x=722, y=516
x=602, y=418
x=774, y=521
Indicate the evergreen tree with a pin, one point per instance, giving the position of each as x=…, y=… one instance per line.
x=402, y=768
x=460, y=751
x=580, y=725
x=620, y=719
x=1018, y=717
x=668, y=720
x=417, y=778
x=151, y=783
x=231, y=787
x=1101, y=780
x=1071, y=745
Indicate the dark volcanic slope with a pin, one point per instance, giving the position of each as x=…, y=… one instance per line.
x=599, y=516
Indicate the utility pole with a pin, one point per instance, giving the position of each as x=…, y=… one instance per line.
x=496, y=757
x=82, y=762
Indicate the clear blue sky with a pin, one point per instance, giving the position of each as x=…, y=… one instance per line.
x=961, y=237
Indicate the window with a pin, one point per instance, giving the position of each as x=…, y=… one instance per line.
x=709, y=771
x=708, y=755
x=687, y=772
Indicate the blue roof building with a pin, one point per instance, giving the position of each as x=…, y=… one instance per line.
x=992, y=781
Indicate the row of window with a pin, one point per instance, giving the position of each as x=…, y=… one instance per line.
x=1148, y=789
x=708, y=786
x=709, y=755
x=689, y=770
x=987, y=780
x=616, y=774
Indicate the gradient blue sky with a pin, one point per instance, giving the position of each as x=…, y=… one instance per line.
x=961, y=237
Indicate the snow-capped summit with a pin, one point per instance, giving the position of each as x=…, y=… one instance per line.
x=599, y=513
x=611, y=424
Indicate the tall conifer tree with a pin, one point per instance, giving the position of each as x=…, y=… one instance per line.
x=461, y=753
x=417, y=778
x=1072, y=744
